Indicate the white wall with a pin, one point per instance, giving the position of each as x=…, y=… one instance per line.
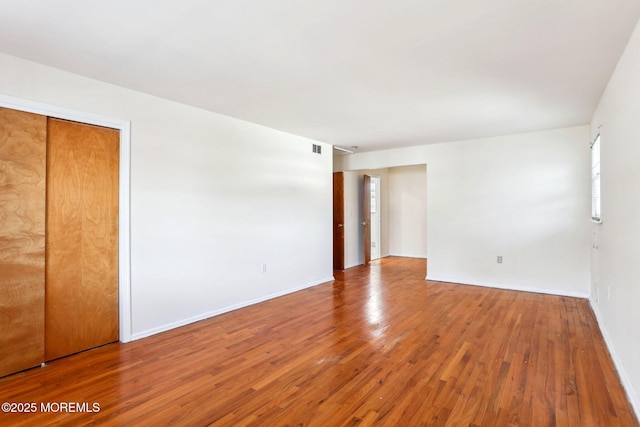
x=408, y=211
x=212, y=199
x=524, y=197
x=615, y=290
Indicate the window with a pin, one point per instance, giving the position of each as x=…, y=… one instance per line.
x=595, y=180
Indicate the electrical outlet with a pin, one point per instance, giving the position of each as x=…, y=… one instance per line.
x=499, y=259
x=264, y=268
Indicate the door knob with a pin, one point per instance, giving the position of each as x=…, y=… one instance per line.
x=339, y=225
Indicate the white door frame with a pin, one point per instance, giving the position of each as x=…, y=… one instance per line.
x=378, y=181
x=124, y=237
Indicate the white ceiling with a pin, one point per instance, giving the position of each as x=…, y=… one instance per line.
x=370, y=73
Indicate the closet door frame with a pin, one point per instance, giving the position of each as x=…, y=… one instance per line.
x=124, y=238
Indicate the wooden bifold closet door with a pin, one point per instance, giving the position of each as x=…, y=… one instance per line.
x=58, y=238
x=22, y=219
x=81, y=293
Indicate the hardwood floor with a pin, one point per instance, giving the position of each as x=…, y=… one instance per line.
x=379, y=346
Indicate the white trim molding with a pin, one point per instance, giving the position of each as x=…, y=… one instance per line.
x=509, y=287
x=124, y=231
x=203, y=316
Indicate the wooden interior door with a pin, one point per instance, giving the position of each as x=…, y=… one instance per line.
x=81, y=297
x=338, y=221
x=366, y=218
x=22, y=244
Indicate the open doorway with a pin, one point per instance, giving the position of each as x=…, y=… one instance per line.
x=401, y=205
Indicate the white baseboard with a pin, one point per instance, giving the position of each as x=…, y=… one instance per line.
x=409, y=256
x=346, y=267
x=511, y=288
x=624, y=377
x=203, y=316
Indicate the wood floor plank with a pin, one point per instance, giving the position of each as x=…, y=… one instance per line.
x=378, y=346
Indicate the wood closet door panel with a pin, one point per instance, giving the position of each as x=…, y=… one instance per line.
x=81, y=303
x=22, y=239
